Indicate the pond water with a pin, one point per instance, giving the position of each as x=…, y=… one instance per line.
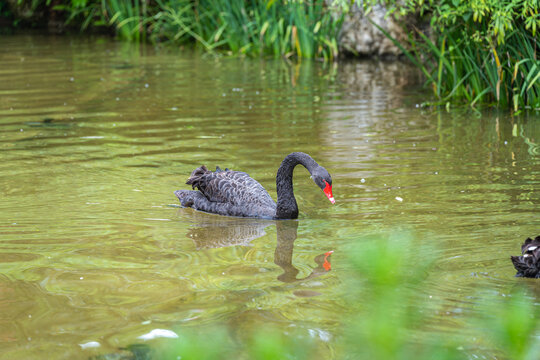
x=95, y=136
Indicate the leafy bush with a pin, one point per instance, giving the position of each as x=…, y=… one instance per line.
x=482, y=51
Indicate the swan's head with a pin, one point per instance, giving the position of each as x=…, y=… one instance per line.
x=322, y=178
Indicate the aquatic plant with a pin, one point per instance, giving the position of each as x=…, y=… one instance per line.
x=279, y=28
x=481, y=51
x=129, y=18
x=512, y=326
x=387, y=277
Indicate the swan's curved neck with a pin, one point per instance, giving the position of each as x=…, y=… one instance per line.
x=286, y=202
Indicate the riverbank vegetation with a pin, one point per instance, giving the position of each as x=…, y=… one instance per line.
x=301, y=29
x=477, y=51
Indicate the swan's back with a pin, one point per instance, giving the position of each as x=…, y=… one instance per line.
x=234, y=188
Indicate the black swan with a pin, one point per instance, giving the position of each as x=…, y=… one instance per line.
x=235, y=193
x=528, y=264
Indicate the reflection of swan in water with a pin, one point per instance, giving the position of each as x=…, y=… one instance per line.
x=210, y=231
x=286, y=235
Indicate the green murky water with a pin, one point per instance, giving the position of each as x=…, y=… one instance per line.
x=95, y=136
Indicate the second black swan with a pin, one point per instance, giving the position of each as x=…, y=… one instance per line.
x=235, y=193
x=528, y=264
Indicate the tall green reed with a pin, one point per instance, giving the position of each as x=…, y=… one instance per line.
x=505, y=75
x=299, y=28
x=129, y=18
x=279, y=28
x=481, y=52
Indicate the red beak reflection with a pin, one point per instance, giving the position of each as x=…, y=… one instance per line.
x=327, y=266
x=328, y=192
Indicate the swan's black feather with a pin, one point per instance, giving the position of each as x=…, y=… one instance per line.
x=528, y=264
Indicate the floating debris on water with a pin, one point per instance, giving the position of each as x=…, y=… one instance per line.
x=90, y=345
x=158, y=333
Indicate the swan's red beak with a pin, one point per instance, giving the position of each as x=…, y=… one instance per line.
x=328, y=192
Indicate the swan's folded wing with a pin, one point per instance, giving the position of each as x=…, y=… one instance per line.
x=233, y=187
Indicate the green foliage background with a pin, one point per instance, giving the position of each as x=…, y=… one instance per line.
x=299, y=28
